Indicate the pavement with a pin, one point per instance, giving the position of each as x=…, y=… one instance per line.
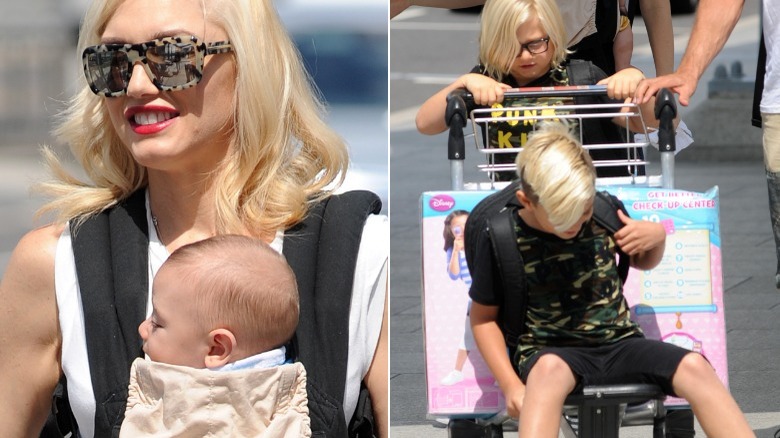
x=727, y=152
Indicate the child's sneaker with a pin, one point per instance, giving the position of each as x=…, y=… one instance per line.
x=452, y=378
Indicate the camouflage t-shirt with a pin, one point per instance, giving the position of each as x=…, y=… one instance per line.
x=574, y=293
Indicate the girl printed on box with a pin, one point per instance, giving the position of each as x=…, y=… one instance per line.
x=457, y=269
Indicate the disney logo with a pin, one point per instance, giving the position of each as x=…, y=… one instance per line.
x=442, y=202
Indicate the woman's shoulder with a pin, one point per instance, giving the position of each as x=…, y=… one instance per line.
x=35, y=250
x=28, y=284
x=31, y=267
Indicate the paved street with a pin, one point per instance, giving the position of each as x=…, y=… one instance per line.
x=429, y=48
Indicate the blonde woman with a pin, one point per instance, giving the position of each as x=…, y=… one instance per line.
x=195, y=118
x=578, y=329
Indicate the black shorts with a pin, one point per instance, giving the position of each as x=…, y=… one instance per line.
x=632, y=360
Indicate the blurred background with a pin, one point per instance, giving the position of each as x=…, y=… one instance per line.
x=343, y=42
x=344, y=46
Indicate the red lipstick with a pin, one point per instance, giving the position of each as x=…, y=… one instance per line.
x=150, y=119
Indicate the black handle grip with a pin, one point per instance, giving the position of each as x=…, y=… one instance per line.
x=665, y=112
x=455, y=117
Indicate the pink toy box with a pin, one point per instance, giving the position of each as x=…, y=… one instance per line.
x=680, y=301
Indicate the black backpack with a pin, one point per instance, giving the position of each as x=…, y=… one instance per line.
x=111, y=251
x=495, y=217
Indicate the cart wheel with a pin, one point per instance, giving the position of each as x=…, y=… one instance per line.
x=468, y=428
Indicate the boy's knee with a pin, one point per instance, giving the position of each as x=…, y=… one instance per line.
x=549, y=366
x=693, y=364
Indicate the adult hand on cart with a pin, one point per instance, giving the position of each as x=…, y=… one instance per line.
x=623, y=84
x=643, y=241
x=680, y=82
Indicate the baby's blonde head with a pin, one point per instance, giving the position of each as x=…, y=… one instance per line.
x=557, y=173
x=240, y=284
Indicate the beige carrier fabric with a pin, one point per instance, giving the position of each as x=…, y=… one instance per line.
x=173, y=401
x=579, y=18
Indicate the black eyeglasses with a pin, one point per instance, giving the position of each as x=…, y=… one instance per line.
x=172, y=63
x=535, y=47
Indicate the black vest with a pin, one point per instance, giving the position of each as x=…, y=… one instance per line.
x=111, y=251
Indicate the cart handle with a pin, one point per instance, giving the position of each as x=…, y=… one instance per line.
x=560, y=90
x=665, y=111
x=455, y=117
x=465, y=100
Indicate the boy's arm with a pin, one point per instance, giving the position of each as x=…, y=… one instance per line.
x=622, y=48
x=486, y=91
x=398, y=6
x=490, y=341
x=622, y=86
x=643, y=241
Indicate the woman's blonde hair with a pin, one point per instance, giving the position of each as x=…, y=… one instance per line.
x=282, y=154
x=241, y=284
x=557, y=173
x=498, y=45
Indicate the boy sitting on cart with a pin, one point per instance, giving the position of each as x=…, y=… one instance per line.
x=577, y=329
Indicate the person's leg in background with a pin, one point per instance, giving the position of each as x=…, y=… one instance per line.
x=771, y=130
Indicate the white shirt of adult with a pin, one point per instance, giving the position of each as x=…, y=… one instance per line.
x=365, y=314
x=770, y=98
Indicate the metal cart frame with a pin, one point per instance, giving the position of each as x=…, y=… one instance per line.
x=600, y=409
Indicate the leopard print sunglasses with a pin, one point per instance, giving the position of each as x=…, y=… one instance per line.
x=172, y=63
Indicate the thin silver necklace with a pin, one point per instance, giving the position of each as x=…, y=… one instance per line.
x=156, y=227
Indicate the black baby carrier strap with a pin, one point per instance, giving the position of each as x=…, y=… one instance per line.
x=322, y=251
x=111, y=252
x=111, y=256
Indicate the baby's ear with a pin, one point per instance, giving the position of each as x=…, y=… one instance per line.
x=222, y=342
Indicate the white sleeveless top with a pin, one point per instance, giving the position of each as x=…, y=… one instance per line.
x=365, y=314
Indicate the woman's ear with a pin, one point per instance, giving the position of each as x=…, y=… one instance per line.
x=222, y=343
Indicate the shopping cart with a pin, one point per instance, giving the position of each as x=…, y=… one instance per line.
x=562, y=106
x=598, y=410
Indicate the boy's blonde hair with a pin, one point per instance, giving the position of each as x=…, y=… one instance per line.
x=282, y=154
x=557, y=173
x=498, y=45
x=240, y=284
